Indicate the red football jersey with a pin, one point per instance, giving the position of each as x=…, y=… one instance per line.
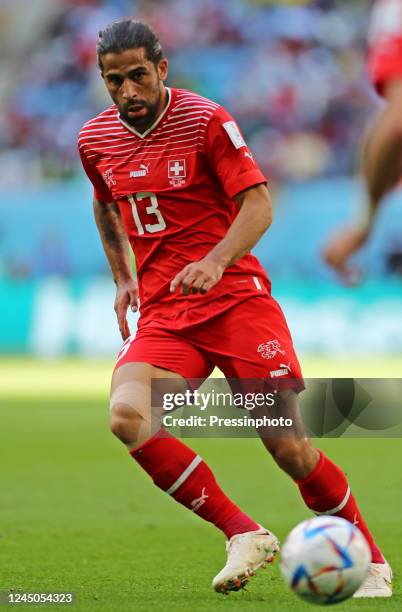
x=385, y=41
x=174, y=185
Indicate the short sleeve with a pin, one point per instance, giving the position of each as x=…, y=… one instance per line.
x=101, y=191
x=385, y=42
x=228, y=155
x=385, y=63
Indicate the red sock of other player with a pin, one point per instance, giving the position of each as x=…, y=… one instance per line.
x=179, y=471
x=326, y=491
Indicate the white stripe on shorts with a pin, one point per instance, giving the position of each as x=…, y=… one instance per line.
x=190, y=468
x=257, y=283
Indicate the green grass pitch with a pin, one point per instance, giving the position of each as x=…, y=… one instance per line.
x=77, y=514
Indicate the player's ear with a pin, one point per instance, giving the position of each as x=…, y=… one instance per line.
x=163, y=69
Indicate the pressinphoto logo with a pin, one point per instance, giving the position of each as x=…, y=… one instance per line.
x=177, y=172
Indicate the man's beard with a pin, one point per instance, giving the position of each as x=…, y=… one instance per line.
x=144, y=122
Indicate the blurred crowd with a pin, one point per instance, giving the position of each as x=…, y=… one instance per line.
x=293, y=76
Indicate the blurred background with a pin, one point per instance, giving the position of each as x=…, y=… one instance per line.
x=292, y=73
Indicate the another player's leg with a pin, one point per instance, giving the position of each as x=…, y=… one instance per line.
x=179, y=471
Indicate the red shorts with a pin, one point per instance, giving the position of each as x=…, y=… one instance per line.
x=385, y=63
x=249, y=340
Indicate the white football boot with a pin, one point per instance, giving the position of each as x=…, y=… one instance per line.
x=378, y=582
x=246, y=553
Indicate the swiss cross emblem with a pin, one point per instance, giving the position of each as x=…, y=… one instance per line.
x=177, y=171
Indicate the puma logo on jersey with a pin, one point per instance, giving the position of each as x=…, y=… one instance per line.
x=143, y=171
x=247, y=154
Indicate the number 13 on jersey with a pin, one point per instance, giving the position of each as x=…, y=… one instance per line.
x=153, y=209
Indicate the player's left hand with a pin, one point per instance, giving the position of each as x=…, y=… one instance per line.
x=342, y=246
x=198, y=277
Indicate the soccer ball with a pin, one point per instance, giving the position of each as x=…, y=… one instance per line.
x=325, y=559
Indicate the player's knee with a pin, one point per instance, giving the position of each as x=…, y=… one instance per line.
x=128, y=425
x=123, y=422
x=130, y=411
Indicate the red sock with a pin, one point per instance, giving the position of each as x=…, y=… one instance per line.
x=179, y=471
x=326, y=491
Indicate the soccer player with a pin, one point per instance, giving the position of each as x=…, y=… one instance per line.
x=174, y=178
x=382, y=159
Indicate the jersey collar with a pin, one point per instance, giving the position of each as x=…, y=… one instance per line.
x=153, y=126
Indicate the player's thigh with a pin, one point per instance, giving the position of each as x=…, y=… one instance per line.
x=252, y=340
x=150, y=366
x=136, y=387
x=166, y=350
x=136, y=406
x=253, y=348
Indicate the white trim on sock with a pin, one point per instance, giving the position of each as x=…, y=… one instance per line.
x=190, y=468
x=338, y=508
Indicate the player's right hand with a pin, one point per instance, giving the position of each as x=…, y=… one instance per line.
x=126, y=295
x=342, y=246
x=198, y=277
